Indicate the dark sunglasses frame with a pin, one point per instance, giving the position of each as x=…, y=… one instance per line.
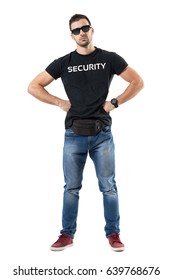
x=84, y=28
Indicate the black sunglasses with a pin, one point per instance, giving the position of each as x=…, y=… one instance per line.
x=84, y=28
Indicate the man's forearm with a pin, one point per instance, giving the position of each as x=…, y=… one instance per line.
x=131, y=91
x=135, y=85
x=43, y=95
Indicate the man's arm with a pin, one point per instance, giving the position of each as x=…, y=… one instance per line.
x=135, y=85
x=37, y=89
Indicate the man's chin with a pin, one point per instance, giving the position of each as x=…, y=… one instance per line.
x=83, y=44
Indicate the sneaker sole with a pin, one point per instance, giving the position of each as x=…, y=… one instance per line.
x=60, y=248
x=120, y=249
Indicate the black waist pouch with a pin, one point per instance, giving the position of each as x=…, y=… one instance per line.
x=87, y=127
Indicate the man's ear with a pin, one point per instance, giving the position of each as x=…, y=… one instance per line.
x=72, y=36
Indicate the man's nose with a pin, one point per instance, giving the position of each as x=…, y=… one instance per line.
x=81, y=32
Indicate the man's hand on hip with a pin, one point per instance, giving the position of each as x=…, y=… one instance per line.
x=65, y=105
x=107, y=106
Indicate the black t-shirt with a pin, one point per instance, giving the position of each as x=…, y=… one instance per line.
x=86, y=79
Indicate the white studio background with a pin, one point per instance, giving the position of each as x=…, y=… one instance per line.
x=33, y=34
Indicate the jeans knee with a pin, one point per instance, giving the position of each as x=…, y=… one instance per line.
x=111, y=192
x=72, y=189
x=108, y=185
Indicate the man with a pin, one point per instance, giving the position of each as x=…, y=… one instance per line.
x=86, y=74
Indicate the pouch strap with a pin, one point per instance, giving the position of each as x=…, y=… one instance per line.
x=87, y=127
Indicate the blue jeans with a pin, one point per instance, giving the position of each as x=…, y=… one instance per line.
x=101, y=151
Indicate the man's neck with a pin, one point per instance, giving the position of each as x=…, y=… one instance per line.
x=85, y=50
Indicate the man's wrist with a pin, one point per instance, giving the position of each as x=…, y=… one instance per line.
x=114, y=102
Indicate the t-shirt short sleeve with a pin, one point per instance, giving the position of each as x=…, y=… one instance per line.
x=118, y=64
x=54, y=68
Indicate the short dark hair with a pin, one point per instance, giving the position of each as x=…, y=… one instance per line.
x=77, y=17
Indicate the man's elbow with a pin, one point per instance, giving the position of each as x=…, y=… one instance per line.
x=30, y=89
x=140, y=83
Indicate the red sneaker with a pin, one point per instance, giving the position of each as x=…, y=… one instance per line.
x=64, y=241
x=115, y=242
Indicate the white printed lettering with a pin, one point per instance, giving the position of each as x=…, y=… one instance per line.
x=103, y=65
x=80, y=68
x=70, y=69
x=87, y=67
x=75, y=68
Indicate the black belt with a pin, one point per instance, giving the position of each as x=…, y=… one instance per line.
x=87, y=127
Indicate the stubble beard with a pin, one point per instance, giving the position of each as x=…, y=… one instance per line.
x=83, y=44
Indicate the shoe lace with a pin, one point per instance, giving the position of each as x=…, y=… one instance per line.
x=115, y=237
x=63, y=237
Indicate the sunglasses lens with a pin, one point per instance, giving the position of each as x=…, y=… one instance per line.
x=76, y=31
x=85, y=28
